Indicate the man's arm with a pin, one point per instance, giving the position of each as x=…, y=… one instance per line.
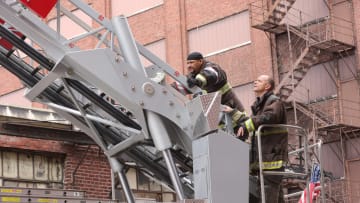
x=272, y=114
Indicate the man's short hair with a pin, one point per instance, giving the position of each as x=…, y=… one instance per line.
x=195, y=56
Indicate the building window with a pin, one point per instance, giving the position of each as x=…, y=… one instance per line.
x=132, y=7
x=27, y=169
x=157, y=48
x=228, y=33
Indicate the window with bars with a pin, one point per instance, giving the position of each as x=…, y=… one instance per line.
x=29, y=169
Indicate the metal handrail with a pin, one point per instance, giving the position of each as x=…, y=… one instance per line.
x=258, y=133
x=317, y=145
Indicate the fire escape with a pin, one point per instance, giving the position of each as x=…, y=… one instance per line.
x=310, y=43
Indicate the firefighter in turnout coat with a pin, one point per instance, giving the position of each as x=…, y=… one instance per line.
x=211, y=78
x=267, y=109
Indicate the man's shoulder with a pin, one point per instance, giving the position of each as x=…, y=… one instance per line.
x=271, y=98
x=211, y=64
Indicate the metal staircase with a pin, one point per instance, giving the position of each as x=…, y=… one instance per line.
x=269, y=19
x=317, y=40
x=292, y=78
x=321, y=119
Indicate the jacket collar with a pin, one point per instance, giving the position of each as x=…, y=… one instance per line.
x=260, y=101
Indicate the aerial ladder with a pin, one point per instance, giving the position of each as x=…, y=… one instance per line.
x=174, y=138
x=163, y=122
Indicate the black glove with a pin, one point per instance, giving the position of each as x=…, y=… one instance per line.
x=192, y=82
x=199, y=93
x=242, y=119
x=246, y=132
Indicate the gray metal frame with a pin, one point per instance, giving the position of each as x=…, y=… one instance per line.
x=169, y=119
x=262, y=172
x=317, y=145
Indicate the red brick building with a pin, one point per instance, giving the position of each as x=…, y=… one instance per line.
x=247, y=38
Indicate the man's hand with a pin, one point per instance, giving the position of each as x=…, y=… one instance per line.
x=226, y=108
x=192, y=82
x=242, y=132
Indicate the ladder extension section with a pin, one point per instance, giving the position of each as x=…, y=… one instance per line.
x=107, y=92
x=10, y=194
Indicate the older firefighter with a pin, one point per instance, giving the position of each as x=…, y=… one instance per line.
x=267, y=109
x=211, y=78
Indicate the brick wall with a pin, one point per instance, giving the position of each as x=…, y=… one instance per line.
x=8, y=82
x=170, y=21
x=174, y=18
x=86, y=168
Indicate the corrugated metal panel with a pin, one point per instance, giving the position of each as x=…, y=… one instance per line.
x=10, y=167
x=224, y=34
x=26, y=169
x=132, y=178
x=131, y=7
x=29, y=167
x=56, y=169
x=41, y=168
x=305, y=11
x=246, y=96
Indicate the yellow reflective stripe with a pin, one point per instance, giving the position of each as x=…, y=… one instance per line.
x=202, y=79
x=10, y=199
x=6, y=190
x=236, y=116
x=46, y=200
x=225, y=88
x=268, y=165
x=249, y=125
x=273, y=164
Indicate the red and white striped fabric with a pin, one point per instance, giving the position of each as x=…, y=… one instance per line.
x=314, y=193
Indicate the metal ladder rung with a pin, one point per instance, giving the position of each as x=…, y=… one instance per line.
x=284, y=173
